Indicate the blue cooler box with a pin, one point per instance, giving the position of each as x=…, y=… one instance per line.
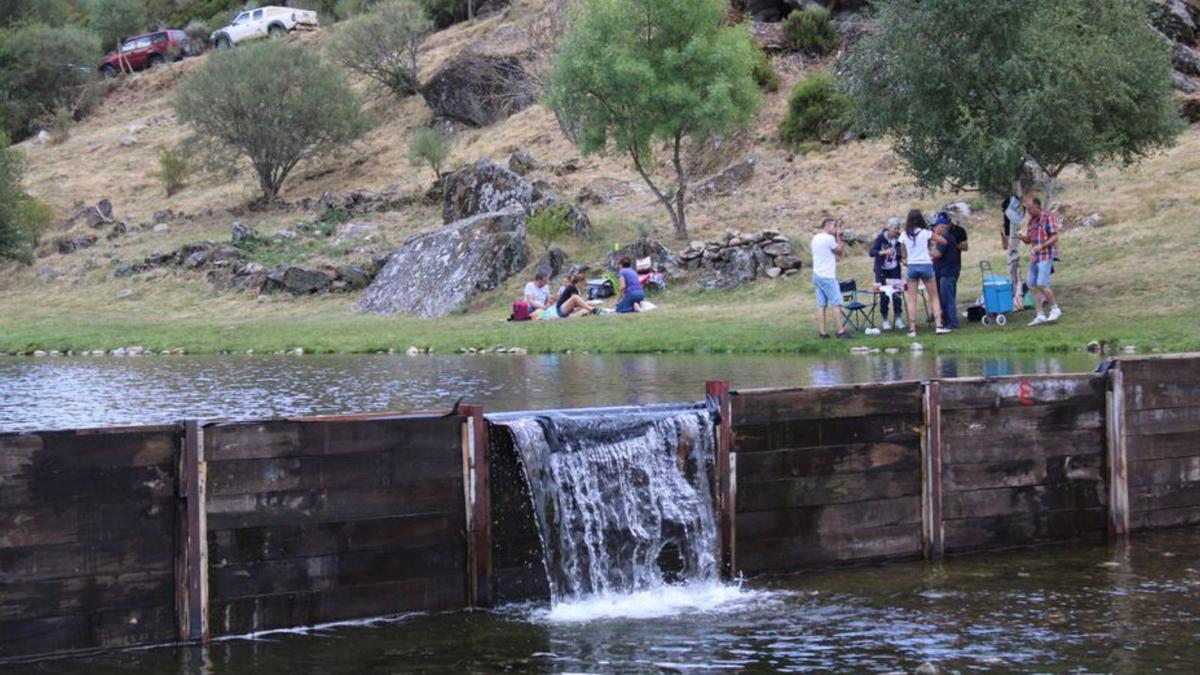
x=997, y=295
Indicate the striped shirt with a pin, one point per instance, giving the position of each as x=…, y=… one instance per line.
x=1041, y=229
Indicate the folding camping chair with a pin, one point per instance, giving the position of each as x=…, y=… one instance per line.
x=856, y=313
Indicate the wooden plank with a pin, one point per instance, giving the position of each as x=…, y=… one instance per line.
x=37, y=486
x=1031, y=499
x=1067, y=416
x=317, y=539
x=1164, y=471
x=1155, y=497
x=1164, y=421
x=102, y=558
x=1117, y=456
x=1024, y=528
x=932, y=528
x=106, y=630
x=316, y=506
x=829, y=460
x=1159, y=519
x=193, y=615
x=1182, y=370
x=478, y=522
x=830, y=518
x=75, y=450
x=830, y=489
x=795, y=434
x=80, y=523
x=86, y=594
x=284, y=438
x=1021, y=392
x=247, y=615
x=1161, y=446
x=717, y=393
x=765, y=407
x=1022, y=472
x=990, y=447
x=1154, y=394
x=812, y=549
x=366, y=469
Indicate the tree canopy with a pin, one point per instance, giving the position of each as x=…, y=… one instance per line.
x=631, y=74
x=969, y=91
x=42, y=68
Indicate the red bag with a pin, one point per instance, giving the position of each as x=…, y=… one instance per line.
x=520, y=311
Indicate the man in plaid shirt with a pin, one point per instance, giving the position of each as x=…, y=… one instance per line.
x=1042, y=235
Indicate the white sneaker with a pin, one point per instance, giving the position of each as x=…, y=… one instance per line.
x=899, y=323
x=912, y=333
x=886, y=325
x=943, y=331
x=1055, y=313
x=1038, y=321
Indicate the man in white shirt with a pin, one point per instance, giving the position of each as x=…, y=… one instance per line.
x=537, y=294
x=827, y=245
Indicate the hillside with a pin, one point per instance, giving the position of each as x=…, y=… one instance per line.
x=1117, y=275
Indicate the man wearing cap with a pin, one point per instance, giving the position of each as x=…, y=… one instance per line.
x=947, y=266
x=886, y=252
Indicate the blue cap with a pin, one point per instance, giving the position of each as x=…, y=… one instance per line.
x=943, y=218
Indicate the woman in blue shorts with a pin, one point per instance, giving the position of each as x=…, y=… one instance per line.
x=915, y=245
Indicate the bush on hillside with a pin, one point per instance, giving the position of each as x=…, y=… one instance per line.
x=275, y=103
x=382, y=45
x=811, y=31
x=764, y=73
x=173, y=170
x=429, y=146
x=818, y=112
x=198, y=32
x=446, y=13
x=41, y=69
x=549, y=225
x=22, y=218
x=53, y=12
x=114, y=20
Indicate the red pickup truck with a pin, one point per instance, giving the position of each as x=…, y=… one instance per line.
x=146, y=51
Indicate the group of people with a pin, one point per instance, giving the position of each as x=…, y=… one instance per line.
x=910, y=253
x=571, y=299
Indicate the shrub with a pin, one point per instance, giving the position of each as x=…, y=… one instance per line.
x=818, y=112
x=198, y=32
x=811, y=31
x=41, y=69
x=113, y=20
x=17, y=230
x=549, y=224
x=429, y=145
x=173, y=170
x=274, y=103
x=446, y=13
x=382, y=45
x=58, y=123
x=764, y=74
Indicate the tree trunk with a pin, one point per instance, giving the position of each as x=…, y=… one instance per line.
x=678, y=218
x=680, y=215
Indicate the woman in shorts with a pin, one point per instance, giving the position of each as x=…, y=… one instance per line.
x=914, y=243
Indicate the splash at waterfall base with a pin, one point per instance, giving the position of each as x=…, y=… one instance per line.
x=218, y=529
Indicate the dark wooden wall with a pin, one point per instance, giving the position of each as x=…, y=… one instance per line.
x=1022, y=460
x=1162, y=440
x=519, y=566
x=87, y=539
x=826, y=475
x=318, y=521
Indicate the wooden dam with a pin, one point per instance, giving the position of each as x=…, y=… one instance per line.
x=120, y=537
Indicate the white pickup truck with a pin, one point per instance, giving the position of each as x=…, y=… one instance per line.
x=263, y=22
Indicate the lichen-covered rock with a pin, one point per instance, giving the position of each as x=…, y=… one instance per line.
x=301, y=281
x=581, y=225
x=728, y=180
x=665, y=260
x=480, y=90
x=552, y=262
x=435, y=272
x=733, y=269
x=1173, y=19
x=485, y=187
x=522, y=162
x=70, y=244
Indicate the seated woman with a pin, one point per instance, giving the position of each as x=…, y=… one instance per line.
x=631, y=294
x=571, y=302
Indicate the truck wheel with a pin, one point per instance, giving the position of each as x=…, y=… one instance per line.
x=155, y=61
x=276, y=31
x=223, y=42
x=108, y=71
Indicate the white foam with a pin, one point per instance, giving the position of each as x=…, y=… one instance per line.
x=655, y=603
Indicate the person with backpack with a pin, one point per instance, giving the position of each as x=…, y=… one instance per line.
x=886, y=252
x=1042, y=236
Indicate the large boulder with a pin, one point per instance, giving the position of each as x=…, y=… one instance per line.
x=480, y=90
x=485, y=187
x=435, y=272
x=734, y=268
x=70, y=244
x=1186, y=59
x=1174, y=20
x=552, y=262
x=581, y=225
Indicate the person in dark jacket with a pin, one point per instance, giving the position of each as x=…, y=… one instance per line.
x=886, y=252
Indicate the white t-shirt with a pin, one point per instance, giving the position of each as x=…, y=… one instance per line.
x=538, y=295
x=824, y=258
x=917, y=247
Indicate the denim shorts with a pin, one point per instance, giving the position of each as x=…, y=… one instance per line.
x=829, y=292
x=1039, y=274
x=920, y=272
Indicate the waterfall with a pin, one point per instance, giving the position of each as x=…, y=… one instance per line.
x=623, y=498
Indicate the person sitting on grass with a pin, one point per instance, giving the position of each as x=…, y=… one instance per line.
x=631, y=294
x=827, y=245
x=571, y=302
x=915, y=247
x=537, y=292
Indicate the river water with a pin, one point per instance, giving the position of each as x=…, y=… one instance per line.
x=79, y=392
x=1082, y=608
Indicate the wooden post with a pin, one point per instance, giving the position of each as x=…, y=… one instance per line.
x=718, y=393
x=476, y=446
x=191, y=562
x=1117, y=455
x=932, y=542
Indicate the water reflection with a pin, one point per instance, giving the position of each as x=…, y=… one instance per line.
x=83, y=392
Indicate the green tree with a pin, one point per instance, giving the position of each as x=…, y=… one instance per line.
x=41, y=69
x=969, y=92
x=634, y=73
x=549, y=224
x=274, y=103
x=116, y=19
x=382, y=45
x=53, y=12
x=22, y=217
x=429, y=146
